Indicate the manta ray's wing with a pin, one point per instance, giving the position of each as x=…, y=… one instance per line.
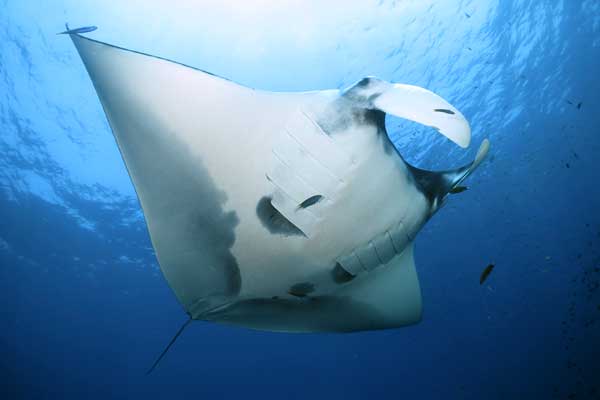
x=178, y=130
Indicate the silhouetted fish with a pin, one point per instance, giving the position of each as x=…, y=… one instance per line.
x=458, y=189
x=486, y=272
x=310, y=201
x=84, y=29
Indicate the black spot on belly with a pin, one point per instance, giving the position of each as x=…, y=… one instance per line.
x=340, y=275
x=444, y=110
x=273, y=220
x=301, y=289
x=311, y=201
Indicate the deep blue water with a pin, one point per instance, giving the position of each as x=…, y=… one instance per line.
x=85, y=309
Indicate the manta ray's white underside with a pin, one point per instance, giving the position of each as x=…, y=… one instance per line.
x=278, y=211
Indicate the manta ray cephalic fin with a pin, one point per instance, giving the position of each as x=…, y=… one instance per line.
x=413, y=103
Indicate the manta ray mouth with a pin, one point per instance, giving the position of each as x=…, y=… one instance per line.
x=436, y=186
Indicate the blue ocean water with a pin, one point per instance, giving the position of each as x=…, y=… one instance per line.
x=85, y=310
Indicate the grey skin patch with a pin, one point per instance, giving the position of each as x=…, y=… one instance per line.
x=444, y=110
x=312, y=314
x=167, y=177
x=433, y=185
x=377, y=119
x=301, y=289
x=340, y=275
x=365, y=92
x=355, y=108
x=351, y=110
x=311, y=201
x=273, y=220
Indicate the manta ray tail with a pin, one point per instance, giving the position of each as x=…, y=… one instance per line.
x=169, y=346
x=436, y=185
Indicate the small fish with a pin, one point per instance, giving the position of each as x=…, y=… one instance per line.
x=458, y=189
x=310, y=201
x=570, y=102
x=486, y=272
x=567, y=165
x=468, y=48
x=579, y=105
x=84, y=29
x=467, y=15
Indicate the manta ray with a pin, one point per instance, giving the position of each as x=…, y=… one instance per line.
x=280, y=211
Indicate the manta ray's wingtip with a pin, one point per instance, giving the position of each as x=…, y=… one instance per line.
x=76, y=31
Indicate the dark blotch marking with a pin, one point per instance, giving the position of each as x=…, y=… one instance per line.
x=212, y=272
x=377, y=118
x=364, y=82
x=340, y=275
x=311, y=201
x=434, y=185
x=443, y=110
x=301, y=289
x=273, y=220
x=373, y=97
